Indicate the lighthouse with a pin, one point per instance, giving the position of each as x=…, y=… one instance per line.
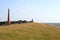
x=8, y=17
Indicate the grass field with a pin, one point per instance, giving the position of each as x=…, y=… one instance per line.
x=29, y=31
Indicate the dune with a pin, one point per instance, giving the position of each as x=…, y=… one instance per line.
x=29, y=31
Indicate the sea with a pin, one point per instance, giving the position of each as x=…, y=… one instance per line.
x=53, y=24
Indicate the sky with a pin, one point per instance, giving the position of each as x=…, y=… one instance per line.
x=46, y=11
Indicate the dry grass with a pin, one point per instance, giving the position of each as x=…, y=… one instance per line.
x=29, y=31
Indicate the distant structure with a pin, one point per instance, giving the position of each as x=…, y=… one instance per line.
x=32, y=20
x=8, y=17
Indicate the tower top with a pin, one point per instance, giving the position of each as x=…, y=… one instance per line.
x=8, y=9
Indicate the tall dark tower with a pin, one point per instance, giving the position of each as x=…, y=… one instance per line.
x=8, y=17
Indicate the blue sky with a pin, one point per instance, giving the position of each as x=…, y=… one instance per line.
x=39, y=10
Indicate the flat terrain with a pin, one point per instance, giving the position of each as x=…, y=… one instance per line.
x=29, y=31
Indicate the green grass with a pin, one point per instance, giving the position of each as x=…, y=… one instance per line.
x=29, y=31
